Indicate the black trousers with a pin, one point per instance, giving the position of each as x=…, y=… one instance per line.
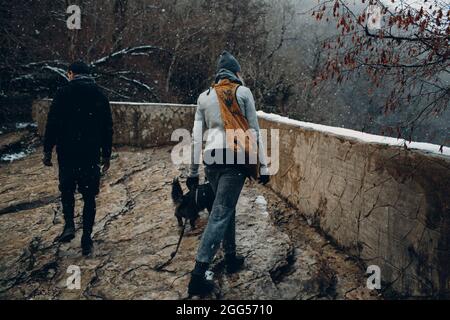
x=86, y=179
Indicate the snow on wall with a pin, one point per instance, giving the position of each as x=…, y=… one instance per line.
x=362, y=136
x=143, y=104
x=343, y=132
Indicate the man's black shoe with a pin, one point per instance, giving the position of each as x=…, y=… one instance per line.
x=234, y=263
x=86, y=245
x=199, y=286
x=68, y=234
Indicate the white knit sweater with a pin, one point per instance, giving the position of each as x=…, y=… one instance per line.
x=208, y=119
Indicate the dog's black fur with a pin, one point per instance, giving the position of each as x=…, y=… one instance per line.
x=190, y=204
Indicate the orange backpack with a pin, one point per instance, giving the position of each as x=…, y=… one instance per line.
x=242, y=139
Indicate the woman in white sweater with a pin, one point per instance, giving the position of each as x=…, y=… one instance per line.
x=226, y=175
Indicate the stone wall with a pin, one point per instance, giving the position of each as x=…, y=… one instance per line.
x=386, y=205
x=136, y=124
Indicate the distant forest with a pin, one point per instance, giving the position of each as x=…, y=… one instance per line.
x=311, y=60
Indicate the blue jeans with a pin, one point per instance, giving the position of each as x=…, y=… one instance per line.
x=227, y=183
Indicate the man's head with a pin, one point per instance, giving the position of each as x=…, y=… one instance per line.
x=76, y=68
x=227, y=61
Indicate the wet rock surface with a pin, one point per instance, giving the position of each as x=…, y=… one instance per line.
x=136, y=232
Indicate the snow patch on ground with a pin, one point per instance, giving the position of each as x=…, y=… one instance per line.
x=261, y=204
x=14, y=156
x=24, y=125
x=260, y=200
x=365, y=137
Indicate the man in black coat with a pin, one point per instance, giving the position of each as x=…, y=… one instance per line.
x=79, y=124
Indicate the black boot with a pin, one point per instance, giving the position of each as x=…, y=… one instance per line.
x=199, y=286
x=89, y=211
x=233, y=262
x=86, y=243
x=68, y=204
x=68, y=233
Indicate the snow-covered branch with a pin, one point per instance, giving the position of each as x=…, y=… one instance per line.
x=59, y=71
x=138, y=83
x=126, y=51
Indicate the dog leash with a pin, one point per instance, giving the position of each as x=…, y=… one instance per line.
x=196, y=195
x=173, y=254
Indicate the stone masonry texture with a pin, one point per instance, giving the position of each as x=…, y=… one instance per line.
x=137, y=125
x=385, y=205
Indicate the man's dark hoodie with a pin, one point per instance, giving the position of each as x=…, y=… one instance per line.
x=79, y=124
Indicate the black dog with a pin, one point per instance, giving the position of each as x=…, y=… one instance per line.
x=190, y=204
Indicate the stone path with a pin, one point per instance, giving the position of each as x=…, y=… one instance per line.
x=135, y=232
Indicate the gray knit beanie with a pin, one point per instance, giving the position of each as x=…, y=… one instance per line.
x=228, y=62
